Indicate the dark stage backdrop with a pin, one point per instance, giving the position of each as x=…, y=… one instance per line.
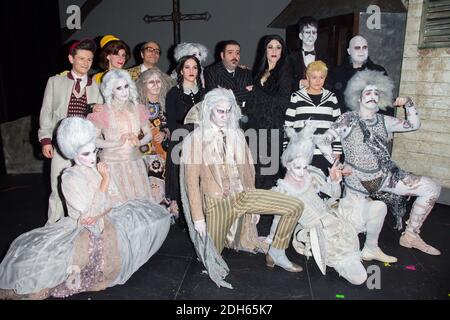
x=30, y=53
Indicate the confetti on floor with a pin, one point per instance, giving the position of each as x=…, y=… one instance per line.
x=413, y=268
x=386, y=264
x=340, y=296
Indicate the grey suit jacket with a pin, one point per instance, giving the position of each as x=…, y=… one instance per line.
x=56, y=102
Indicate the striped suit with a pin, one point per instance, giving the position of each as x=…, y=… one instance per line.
x=321, y=114
x=210, y=199
x=217, y=76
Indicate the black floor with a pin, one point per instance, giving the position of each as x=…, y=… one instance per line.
x=175, y=274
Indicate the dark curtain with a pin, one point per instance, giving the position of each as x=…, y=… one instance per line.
x=30, y=53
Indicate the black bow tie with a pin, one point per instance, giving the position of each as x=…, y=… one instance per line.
x=313, y=53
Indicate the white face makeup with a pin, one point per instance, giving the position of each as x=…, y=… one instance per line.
x=87, y=156
x=220, y=114
x=358, y=50
x=153, y=85
x=370, y=97
x=273, y=51
x=298, y=167
x=121, y=90
x=308, y=36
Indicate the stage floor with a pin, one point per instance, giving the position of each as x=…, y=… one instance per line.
x=174, y=273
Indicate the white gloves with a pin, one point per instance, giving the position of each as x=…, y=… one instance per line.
x=255, y=218
x=200, y=227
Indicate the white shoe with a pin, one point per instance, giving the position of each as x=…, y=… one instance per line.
x=280, y=259
x=410, y=240
x=369, y=255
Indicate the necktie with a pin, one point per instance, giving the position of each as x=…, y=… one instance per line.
x=78, y=86
x=224, y=146
x=232, y=74
x=313, y=53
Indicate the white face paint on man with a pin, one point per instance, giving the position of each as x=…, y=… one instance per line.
x=308, y=36
x=121, y=90
x=87, y=155
x=221, y=114
x=370, y=97
x=358, y=50
x=298, y=168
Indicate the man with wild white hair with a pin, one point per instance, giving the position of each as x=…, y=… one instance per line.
x=358, y=60
x=218, y=187
x=365, y=135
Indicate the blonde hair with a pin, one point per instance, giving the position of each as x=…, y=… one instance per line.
x=317, y=66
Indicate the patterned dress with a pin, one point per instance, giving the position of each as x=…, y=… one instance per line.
x=155, y=154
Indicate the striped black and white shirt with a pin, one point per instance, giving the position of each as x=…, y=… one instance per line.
x=321, y=109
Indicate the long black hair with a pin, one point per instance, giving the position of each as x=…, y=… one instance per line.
x=262, y=65
x=180, y=66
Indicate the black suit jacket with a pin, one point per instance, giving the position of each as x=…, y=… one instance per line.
x=216, y=75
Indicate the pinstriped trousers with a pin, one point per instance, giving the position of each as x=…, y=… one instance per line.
x=220, y=214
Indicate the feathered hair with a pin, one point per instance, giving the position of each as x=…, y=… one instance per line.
x=361, y=80
x=301, y=144
x=187, y=49
x=74, y=133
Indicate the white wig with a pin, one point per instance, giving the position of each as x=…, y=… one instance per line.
x=74, y=133
x=187, y=49
x=211, y=100
x=301, y=144
x=109, y=81
x=361, y=80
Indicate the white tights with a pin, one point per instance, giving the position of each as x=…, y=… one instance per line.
x=427, y=192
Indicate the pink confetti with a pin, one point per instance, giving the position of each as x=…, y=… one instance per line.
x=413, y=268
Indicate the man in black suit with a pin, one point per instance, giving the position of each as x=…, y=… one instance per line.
x=358, y=60
x=296, y=62
x=227, y=74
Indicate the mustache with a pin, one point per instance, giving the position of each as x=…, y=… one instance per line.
x=234, y=60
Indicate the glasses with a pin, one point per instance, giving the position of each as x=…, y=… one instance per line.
x=152, y=50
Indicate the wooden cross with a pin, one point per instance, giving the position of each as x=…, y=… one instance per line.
x=176, y=17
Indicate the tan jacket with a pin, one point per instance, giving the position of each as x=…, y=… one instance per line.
x=56, y=102
x=205, y=179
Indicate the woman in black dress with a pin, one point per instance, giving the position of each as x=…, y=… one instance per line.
x=271, y=96
x=179, y=101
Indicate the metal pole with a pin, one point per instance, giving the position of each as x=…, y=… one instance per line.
x=176, y=17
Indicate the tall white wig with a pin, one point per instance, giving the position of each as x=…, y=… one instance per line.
x=211, y=100
x=188, y=49
x=361, y=80
x=109, y=82
x=301, y=144
x=74, y=133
